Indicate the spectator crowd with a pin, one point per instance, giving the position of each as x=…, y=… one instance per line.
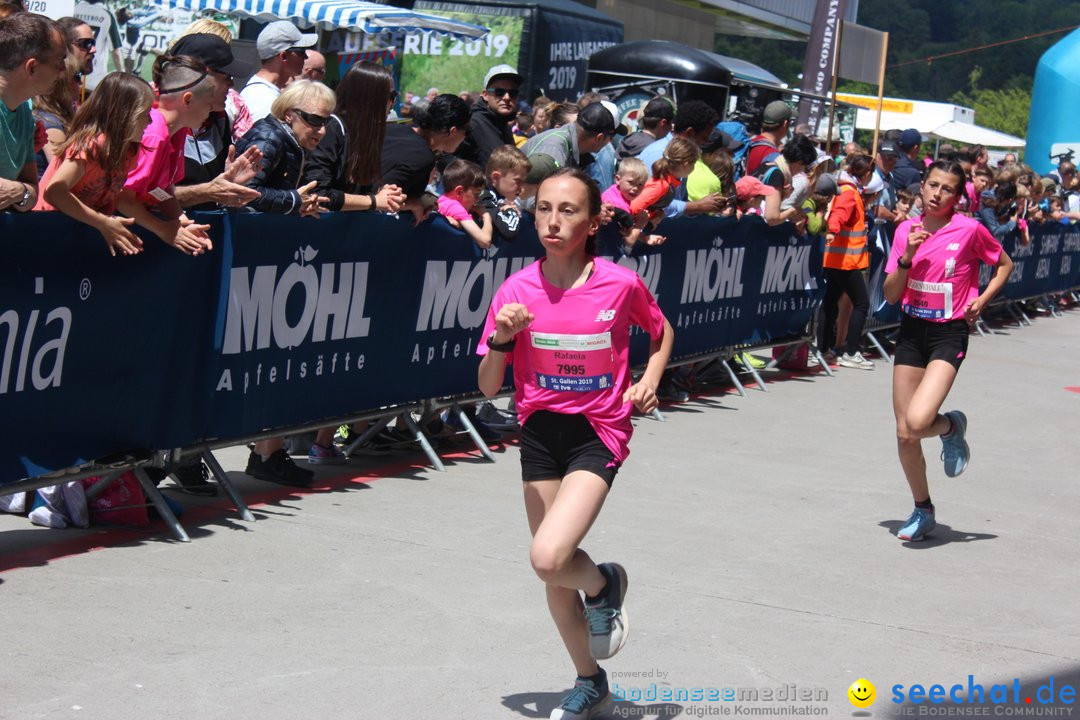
x=148, y=154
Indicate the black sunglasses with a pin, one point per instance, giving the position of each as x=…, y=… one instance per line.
x=499, y=92
x=299, y=51
x=84, y=43
x=315, y=121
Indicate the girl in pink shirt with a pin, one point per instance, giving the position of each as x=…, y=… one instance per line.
x=85, y=179
x=564, y=324
x=933, y=271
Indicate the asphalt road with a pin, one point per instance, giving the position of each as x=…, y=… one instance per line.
x=758, y=534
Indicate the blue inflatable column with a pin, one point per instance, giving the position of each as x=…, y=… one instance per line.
x=1055, y=99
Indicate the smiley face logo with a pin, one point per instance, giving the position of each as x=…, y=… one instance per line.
x=862, y=693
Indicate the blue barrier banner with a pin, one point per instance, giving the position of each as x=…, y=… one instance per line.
x=725, y=282
x=346, y=314
x=100, y=354
x=291, y=320
x=1049, y=264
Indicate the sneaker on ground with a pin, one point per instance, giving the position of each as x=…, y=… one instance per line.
x=495, y=418
x=278, y=468
x=377, y=445
x=343, y=435
x=748, y=360
x=323, y=455
x=856, y=361
x=918, y=526
x=609, y=625
x=193, y=477
x=955, y=452
x=588, y=699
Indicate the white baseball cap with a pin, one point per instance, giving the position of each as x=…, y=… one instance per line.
x=875, y=185
x=500, y=70
x=279, y=36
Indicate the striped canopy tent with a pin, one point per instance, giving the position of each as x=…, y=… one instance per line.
x=366, y=17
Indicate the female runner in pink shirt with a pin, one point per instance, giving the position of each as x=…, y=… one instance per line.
x=564, y=323
x=933, y=271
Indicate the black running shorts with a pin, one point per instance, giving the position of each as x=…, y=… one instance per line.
x=921, y=341
x=553, y=445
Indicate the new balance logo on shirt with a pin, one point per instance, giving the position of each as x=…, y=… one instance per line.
x=605, y=316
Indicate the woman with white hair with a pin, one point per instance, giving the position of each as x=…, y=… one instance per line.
x=296, y=124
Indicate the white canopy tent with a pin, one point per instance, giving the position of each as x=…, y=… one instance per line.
x=367, y=17
x=943, y=121
x=972, y=134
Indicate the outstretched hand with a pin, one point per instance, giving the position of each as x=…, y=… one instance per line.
x=241, y=170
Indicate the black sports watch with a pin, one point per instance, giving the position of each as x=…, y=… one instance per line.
x=901, y=264
x=500, y=347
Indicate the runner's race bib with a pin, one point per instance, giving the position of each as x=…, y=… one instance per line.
x=574, y=363
x=929, y=301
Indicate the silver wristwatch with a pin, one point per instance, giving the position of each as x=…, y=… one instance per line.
x=25, y=197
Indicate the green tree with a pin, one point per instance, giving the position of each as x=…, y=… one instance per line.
x=1005, y=110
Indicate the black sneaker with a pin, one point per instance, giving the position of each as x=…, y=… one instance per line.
x=278, y=468
x=193, y=478
x=495, y=418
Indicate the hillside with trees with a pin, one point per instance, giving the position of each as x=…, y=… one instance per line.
x=995, y=81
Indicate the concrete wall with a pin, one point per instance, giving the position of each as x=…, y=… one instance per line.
x=663, y=20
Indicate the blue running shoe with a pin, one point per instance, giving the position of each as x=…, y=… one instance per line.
x=918, y=526
x=954, y=448
x=608, y=622
x=326, y=455
x=586, y=700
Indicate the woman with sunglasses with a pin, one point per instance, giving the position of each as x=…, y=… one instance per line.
x=346, y=165
x=492, y=116
x=296, y=124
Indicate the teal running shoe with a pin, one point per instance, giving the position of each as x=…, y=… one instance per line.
x=955, y=452
x=587, y=699
x=918, y=526
x=608, y=622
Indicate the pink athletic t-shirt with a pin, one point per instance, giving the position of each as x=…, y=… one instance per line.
x=452, y=208
x=944, y=275
x=614, y=198
x=575, y=357
x=160, y=164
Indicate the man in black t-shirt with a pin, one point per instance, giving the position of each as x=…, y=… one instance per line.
x=407, y=161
